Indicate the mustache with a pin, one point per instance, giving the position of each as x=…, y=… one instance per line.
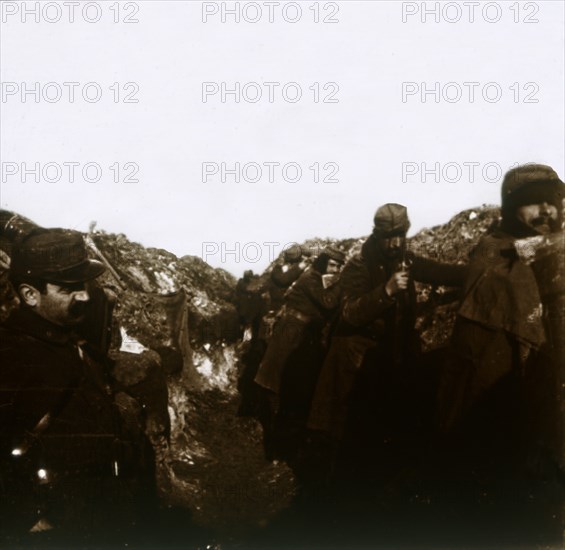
x=542, y=220
x=78, y=309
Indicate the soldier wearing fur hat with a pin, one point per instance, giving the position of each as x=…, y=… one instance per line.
x=363, y=398
x=492, y=394
x=500, y=322
x=63, y=459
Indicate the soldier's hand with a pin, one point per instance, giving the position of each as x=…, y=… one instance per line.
x=397, y=283
x=330, y=279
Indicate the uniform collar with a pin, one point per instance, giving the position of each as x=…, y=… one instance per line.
x=27, y=321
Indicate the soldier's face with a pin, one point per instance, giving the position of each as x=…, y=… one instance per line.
x=542, y=217
x=333, y=266
x=63, y=305
x=392, y=246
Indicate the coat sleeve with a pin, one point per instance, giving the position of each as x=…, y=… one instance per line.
x=432, y=272
x=362, y=303
x=325, y=298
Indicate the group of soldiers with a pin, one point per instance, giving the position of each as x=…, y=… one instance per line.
x=468, y=441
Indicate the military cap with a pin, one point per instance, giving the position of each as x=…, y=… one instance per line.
x=391, y=219
x=531, y=184
x=13, y=226
x=54, y=255
x=293, y=254
x=333, y=254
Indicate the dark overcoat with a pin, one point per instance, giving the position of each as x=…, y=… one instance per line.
x=309, y=305
x=62, y=451
x=371, y=322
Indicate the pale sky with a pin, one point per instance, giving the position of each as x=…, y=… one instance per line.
x=373, y=143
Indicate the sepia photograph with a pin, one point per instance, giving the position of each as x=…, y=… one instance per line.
x=282, y=274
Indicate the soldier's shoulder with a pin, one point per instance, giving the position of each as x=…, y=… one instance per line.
x=277, y=271
x=355, y=263
x=306, y=278
x=10, y=334
x=491, y=248
x=16, y=343
x=355, y=270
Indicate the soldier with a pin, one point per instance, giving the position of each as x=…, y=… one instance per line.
x=501, y=375
x=365, y=396
x=12, y=227
x=64, y=459
x=138, y=381
x=96, y=325
x=249, y=303
x=500, y=325
x=284, y=274
x=309, y=305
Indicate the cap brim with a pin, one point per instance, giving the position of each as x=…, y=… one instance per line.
x=86, y=271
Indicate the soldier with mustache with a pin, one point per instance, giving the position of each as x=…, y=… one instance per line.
x=486, y=399
x=64, y=460
x=499, y=326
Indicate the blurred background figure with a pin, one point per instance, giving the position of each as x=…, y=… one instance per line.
x=289, y=370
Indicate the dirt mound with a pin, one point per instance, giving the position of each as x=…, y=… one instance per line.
x=452, y=242
x=145, y=273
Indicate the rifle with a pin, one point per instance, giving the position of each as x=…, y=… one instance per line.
x=91, y=245
x=401, y=304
